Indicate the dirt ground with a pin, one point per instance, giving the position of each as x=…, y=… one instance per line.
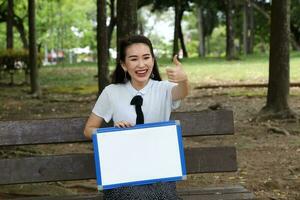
x=269, y=161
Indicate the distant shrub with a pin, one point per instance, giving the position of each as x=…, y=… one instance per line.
x=15, y=59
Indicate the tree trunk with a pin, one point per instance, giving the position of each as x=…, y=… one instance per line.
x=18, y=22
x=251, y=28
x=207, y=39
x=112, y=22
x=248, y=27
x=34, y=75
x=295, y=37
x=279, y=78
x=102, y=46
x=201, y=47
x=126, y=19
x=10, y=38
x=176, y=27
x=181, y=36
x=230, y=48
x=294, y=42
x=245, y=27
x=141, y=22
x=9, y=25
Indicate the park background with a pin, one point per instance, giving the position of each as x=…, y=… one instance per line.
x=236, y=57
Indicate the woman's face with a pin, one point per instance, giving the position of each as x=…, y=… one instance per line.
x=139, y=64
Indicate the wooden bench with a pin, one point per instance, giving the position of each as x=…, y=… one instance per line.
x=80, y=166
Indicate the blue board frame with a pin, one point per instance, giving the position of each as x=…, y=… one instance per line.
x=140, y=126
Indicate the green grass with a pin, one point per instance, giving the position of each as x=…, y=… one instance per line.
x=68, y=76
x=248, y=69
x=80, y=78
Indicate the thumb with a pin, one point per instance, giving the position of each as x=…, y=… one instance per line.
x=169, y=69
x=176, y=61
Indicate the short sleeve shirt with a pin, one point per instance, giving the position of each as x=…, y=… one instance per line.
x=114, y=102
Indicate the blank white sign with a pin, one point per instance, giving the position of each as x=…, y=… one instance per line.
x=142, y=154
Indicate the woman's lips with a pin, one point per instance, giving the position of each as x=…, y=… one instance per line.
x=141, y=72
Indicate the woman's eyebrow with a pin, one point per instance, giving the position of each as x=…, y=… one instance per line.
x=132, y=56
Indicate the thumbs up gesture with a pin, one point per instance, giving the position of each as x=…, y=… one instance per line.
x=176, y=74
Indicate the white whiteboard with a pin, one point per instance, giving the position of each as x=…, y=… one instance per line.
x=142, y=154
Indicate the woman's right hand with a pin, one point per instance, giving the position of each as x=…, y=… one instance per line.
x=122, y=124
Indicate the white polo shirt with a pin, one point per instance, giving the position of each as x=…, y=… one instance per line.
x=114, y=102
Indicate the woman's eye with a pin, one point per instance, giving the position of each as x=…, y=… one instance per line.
x=146, y=58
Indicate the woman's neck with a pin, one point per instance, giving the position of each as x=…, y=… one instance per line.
x=139, y=85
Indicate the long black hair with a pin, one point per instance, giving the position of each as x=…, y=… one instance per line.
x=119, y=73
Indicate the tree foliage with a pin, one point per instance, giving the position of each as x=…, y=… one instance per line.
x=65, y=24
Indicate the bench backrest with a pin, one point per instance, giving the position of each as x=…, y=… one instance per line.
x=81, y=166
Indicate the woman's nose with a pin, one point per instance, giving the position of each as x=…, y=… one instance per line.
x=141, y=63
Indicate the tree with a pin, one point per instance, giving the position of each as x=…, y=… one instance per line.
x=295, y=24
x=180, y=33
x=248, y=27
x=176, y=27
x=126, y=19
x=9, y=31
x=102, y=45
x=278, y=88
x=112, y=22
x=63, y=24
x=263, y=8
x=207, y=20
x=17, y=21
x=9, y=24
x=113, y=17
x=230, y=48
x=201, y=46
x=179, y=8
x=34, y=75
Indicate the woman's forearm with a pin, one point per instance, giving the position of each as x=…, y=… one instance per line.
x=181, y=90
x=88, y=132
x=92, y=124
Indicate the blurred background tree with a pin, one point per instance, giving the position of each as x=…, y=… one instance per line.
x=63, y=25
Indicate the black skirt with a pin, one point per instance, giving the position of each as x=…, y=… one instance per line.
x=157, y=191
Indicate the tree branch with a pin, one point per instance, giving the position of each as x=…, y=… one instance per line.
x=294, y=43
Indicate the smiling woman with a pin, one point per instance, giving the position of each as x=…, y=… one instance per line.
x=138, y=64
x=137, y=96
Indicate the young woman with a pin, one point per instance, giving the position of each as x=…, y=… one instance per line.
x=138, y=95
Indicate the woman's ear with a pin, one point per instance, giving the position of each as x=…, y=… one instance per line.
x=123, y=66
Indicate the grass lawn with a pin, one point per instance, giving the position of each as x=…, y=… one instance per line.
x=250, y=69
x=80, y=78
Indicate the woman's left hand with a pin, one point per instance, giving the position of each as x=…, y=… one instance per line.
x=176, y=74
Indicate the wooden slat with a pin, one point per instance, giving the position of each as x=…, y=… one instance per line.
x=206, y=122
x=47, y=168
x=71, y=197
x=81, y=166
x=41, y=131
x=228, y=192
x=63, y=130
x=216, y=193
x=234, y=196
x=211, y=159
x=213, y=193
x=212, y=190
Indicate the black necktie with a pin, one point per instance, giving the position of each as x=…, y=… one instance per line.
x=138, y=102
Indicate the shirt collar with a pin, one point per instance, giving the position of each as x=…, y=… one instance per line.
x=142, y=92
